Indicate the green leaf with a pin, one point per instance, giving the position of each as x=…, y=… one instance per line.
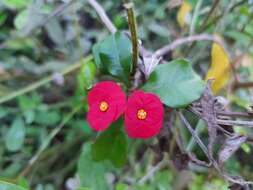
x=8, y=186
x=91, y=173
x=29, y=102
x=49, y=187
x=16, y=4
x=159, y=29
x=86, y=74
x=29, y=116
x=240, y=38
x=112, y=145
x=83, y=188
x=3, y=17
x=113, y=56
x=21, y=19
x=11, y=170
x=55, y=31
x=122, y=186
x=23, y=182
x=47, y=118
x=175, y=83
x=82, y=125
x=3, y=112
x=20, y=43
x=15, y=136
x=163, y=180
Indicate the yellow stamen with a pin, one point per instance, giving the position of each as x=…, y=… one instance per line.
x=141, y=114
x=103, y=106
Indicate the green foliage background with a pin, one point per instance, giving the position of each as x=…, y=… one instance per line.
x=33, y=48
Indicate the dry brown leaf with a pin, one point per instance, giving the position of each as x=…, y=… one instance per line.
x=231, y=145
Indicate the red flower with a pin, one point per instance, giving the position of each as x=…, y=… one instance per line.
x=106, y=103
x=144, y=115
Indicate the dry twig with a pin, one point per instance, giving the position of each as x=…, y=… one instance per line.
x=103, y=16
x=186, y=40
x=133, y=30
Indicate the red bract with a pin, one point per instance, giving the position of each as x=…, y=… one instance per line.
x=144, y=115
x=106, y=103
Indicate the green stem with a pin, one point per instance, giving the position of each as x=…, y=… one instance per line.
x=214, y=6
x=48, y=140
x=41, y=82
x=195, y=16
x=133, y=30
x=199, y=128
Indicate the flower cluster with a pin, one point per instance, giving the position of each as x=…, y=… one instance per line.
x=143, y=111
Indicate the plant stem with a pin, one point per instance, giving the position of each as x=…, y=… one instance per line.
x=42, y=82
x=201, y=37
x=214, y=6
x=102, y=14
x=195, y=16
x=194, y=134
x=48, y=140
x=133, y=30
x=152, y=171
x=198, y=130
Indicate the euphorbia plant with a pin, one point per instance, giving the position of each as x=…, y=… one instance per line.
x=173, y=84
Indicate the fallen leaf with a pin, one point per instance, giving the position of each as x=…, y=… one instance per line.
x=220, y=68
x=231, y=145
x=183, y=14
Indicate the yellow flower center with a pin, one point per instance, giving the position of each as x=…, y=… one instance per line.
x=141, y=114
x=103, y=106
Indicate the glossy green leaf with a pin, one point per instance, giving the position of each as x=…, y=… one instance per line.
x=175, y=83
x=113, y=56
x=111, y=145
x=8, y=186
x=15, y=137
x=91, y=173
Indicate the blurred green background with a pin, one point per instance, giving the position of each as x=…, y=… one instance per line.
x=46, y=69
